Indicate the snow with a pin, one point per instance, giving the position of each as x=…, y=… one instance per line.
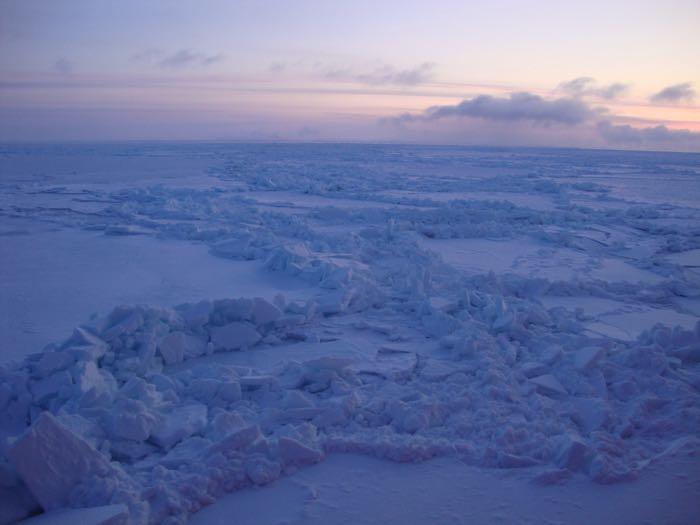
x=269, y=314
x=443, y=491
x=97, y=273
x=106, y=515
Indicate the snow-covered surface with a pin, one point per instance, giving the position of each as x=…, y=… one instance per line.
x=105, y=515
x=512, y=319
x=349, y=489
x=38, y=272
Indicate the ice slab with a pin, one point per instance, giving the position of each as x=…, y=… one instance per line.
x=52, y=461
x=619, y=320
x=530, y=258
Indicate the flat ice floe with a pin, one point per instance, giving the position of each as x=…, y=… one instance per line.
x=276, y=305
x=53, y=280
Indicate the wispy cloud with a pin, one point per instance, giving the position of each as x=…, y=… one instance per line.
x=385, y=75
x=181, y=59
x=189, y=58
x=277, y=67
x=515, y=107
x=587, y=86
x=676, y=93
x=63, y=66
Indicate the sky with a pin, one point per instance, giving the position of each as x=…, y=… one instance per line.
x=617, y=74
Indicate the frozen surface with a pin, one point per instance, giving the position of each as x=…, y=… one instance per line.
x=442, y=491
x=53, y=280
x=523, y=323
x=106, y=515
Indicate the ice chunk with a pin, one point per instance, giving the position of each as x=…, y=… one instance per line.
x=204, y=389
x=224, y=424
x=179, y=424
x=503, y=321
x=52, y=461
x=506, y=460
x=336, y=364
x=230, y=391
x=85, y=345
x=234, y=336
x=688, y=354
x=262, y=471
x=548, y=384
x=195, y=316
x=533, y=369
x=394, y=365
x=58, y=383
x=572, y=454
x=172, y=348
x=51, y=362
x=87, y=377
x=226, y=310
x=264, y=312
x=292, y=452
x=127, y=450
x=587, y=358
x=16, y=502
x=590, y=413
x=437, y=370
x=297, y=399
x=237, y=440
x=551, y=355
x=336, y=301
x=185, y=452
x=177, y=346
x=130, y=419
x=123, y=320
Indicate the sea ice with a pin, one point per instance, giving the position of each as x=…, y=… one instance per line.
x=492, y=310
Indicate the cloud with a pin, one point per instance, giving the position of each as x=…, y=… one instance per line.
x=653, y=136
x=587, y=86
x=63, y=66
x=183, y=58
x=528, y=119
x=277, y=67
x=188, y=58
x=677, y=93
x=386, y=75
x=515, y=107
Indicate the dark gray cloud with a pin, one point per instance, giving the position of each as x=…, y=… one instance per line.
x=677, y=93
x=525, y=118
x=188, y=58
x=516, y=107
x=386, y=75
x=587, y=86
x=650, y=136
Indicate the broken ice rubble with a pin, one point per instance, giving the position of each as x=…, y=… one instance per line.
x=118, y=410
